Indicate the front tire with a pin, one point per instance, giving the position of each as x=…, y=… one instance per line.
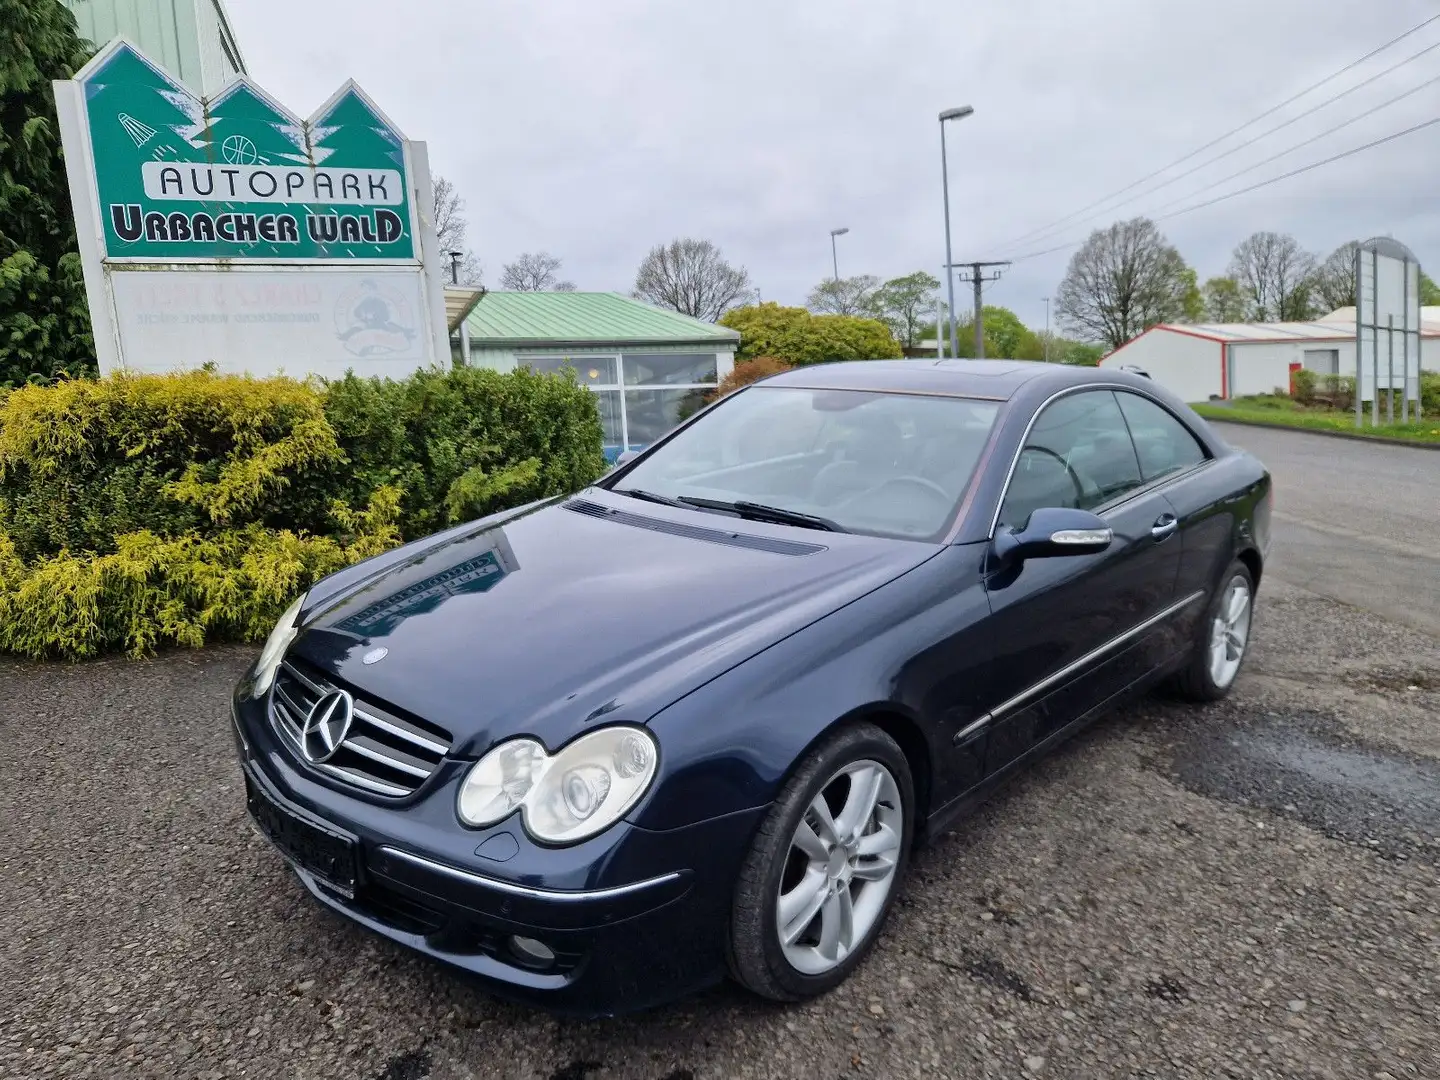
x=1222, y=639
x=824, y=867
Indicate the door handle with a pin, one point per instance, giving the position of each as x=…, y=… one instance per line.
x=1164, y=526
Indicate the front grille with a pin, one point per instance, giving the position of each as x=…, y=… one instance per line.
x=382, y=753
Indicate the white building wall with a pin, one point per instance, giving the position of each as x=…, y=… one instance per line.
x=1265, y=368
x=183, y=36
x=220, y=57
x=1186, y=365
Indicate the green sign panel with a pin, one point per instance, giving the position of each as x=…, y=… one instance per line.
x=239, y=177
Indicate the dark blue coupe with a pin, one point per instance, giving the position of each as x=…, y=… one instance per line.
x=690, y=722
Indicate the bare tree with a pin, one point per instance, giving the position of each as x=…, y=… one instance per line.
x=534, y=272
x=1333, y=285
x=1274, y=274
x=1122, y=281
x=450, y=230
x=844, y=296
x=693, y=278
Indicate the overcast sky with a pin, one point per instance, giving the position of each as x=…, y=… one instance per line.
x=595, y=129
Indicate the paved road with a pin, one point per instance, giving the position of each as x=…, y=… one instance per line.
x=1355, y=521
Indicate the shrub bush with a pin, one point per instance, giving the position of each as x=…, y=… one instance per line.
x=1305, y=386
x=463, y=443
x=84, y=462
x=143, y=510
x=796, y=336
x=1430, y=393
x=746, y=372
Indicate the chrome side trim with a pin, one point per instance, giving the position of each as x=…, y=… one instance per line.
x=555, y=895
x=1143, y=490
x=1074, y=666
x=971, y=728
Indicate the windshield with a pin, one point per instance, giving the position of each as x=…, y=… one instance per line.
x=881, y=463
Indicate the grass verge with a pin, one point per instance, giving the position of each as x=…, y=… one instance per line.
x=1283, y=412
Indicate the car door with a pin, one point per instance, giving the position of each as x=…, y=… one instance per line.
x=1070, y=632
x=1172, y=458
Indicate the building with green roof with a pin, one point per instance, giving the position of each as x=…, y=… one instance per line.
x=649, y=368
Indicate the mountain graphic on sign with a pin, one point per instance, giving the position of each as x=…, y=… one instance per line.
x=214, y=166
x=247, y=128
x=240, y=125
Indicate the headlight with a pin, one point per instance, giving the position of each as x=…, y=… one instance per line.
x=275, y=646
x=580, y=791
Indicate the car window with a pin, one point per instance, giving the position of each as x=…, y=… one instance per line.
x=1163, y=443
x=1078, y=454
x=890, y=464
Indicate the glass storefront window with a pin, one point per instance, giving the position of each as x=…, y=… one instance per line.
x=660, y=391
x=589, y=370
x=649, y=414
x=668, y=369
x=609, y=403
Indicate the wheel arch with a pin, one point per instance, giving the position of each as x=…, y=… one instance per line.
x=907, y=731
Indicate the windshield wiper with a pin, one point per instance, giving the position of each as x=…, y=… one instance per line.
x=760, y=512
x=649, y=496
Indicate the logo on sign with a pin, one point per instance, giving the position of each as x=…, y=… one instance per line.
x=373, y=319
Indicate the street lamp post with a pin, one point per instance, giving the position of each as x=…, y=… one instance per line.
x=835, y=259
x=1047, y=329
x=950, y=114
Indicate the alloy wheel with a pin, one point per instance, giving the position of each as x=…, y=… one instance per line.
x=840, y=867
x=1230, y=632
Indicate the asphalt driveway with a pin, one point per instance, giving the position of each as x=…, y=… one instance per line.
x=1247, y=891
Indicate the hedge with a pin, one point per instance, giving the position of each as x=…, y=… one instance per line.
x=143, y=510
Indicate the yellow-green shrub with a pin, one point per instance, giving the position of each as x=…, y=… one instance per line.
x=86, y=461
x=183, y=590
x=145, y=510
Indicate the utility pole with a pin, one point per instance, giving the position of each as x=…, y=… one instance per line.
x=1047, y=329
x=978, y=277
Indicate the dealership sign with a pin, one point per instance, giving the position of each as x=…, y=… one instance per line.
x=228, y=230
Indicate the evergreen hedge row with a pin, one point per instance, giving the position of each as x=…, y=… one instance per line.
x=144, y=510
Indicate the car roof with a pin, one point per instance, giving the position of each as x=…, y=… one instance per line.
x=997, y=380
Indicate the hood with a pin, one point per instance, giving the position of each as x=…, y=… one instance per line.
x=598, y=606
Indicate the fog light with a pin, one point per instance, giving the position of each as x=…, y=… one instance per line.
x=532, y=953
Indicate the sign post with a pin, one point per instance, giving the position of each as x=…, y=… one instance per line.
x=1387, y=329
x=227, y=230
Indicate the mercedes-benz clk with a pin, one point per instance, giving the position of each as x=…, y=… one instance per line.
x=690, y=722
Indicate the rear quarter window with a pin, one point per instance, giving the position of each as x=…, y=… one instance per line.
x=1163, y=444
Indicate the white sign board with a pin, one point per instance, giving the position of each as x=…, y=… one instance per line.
x=228, y=230
x=298, y=322
x=1387, y=328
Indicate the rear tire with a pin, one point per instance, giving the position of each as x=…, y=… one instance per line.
x=827, y=862
x=1222, y=639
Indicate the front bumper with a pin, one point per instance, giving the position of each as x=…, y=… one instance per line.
x=633, y=917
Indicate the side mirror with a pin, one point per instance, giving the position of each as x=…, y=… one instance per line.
x=1054, y=531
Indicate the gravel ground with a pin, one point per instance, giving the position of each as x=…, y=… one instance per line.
x=1245, y=891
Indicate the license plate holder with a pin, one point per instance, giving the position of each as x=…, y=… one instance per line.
x=327, y=854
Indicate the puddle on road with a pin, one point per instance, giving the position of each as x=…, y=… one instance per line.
x=1300, y=766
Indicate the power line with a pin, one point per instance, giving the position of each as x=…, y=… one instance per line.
x=1254, y=187
x=1290, y=150
x=1234, y=131
x=1252, y=141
